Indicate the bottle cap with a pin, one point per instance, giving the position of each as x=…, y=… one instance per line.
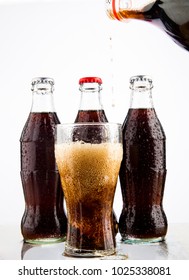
x=90, y=80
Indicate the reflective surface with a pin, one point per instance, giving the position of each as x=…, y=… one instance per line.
x=176, y=247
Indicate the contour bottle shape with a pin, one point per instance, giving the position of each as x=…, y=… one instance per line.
x=91, y=109
x=44, y=219
x=143, y=169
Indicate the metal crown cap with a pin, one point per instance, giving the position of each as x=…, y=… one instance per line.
x=90, y=80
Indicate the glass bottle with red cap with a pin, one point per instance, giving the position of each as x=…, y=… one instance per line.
x=91, y=108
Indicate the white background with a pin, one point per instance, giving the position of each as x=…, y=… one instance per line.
x=69, y=39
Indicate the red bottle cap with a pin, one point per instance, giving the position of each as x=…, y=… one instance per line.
x=90, y=80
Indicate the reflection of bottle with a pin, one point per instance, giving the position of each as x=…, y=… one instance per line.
x=44, y=219
x=173, y=14
x=26, y=247
x=91, y=108
x=143, y=169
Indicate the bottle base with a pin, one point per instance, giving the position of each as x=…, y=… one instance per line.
x=83, y=253
x=41, y=241
x=134, y=240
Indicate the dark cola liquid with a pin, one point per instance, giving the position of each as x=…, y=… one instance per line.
x=173, y=14
x=142, y=176
x=44, y=216
x=93, y=116
x=90, y=134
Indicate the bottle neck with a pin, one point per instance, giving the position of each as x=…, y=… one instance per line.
x=90, y=99
x=141, y=99
x=42, y=102
x=128, y=9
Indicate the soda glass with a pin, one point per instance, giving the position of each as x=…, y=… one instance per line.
x=88, y=156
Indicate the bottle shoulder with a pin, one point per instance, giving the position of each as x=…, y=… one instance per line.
x=91, y=116
x=142, y=123
x=40, y=127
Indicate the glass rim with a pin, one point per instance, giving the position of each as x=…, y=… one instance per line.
x=89, y=124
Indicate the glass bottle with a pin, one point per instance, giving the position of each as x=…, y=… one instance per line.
x=44, y=219
x=143, y=169
x=170, y=15
x=91, y=109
